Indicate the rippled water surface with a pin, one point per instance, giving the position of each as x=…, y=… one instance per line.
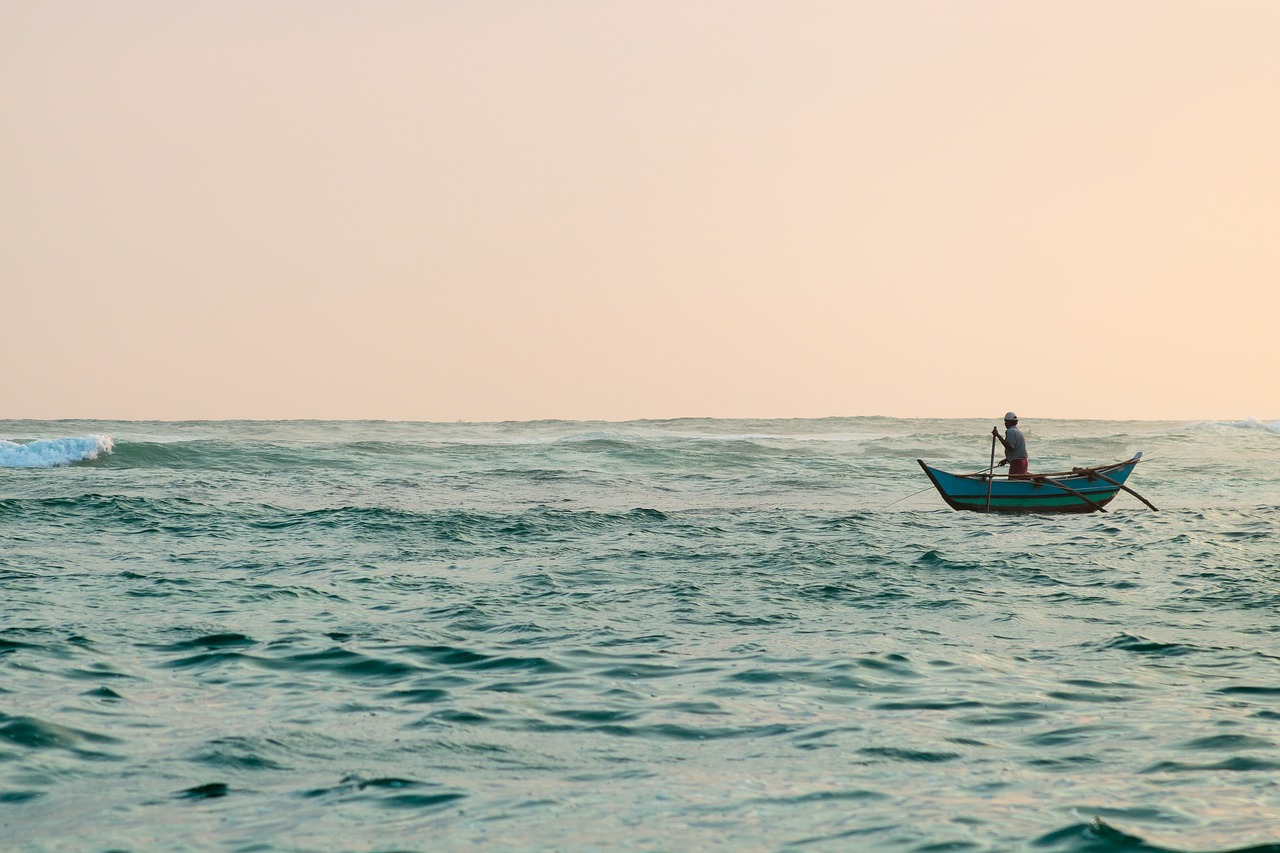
x=668, y=635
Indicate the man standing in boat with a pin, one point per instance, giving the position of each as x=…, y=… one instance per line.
x=1015, y=446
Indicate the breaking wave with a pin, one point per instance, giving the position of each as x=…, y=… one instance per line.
x=50, y=452
x=1254, y=423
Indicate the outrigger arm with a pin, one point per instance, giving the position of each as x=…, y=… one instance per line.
x=1124, y=487
x=1052, y=482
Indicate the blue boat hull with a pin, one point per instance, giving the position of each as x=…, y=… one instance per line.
x=1080, y=490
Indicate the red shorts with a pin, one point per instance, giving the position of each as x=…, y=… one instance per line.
x=1018, y=467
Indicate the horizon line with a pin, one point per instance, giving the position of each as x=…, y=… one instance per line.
x=1244, y=419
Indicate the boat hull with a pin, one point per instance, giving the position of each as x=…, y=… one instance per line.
x=1084, y=490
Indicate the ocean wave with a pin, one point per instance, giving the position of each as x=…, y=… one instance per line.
x=448, y=528
x=37, y=734
x=218, y=455
x=119, y=509
x=51, y=452
x=459, y=526
x=1194, y=428
x=1255, y=423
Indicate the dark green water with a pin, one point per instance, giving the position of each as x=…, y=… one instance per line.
x=711, y=635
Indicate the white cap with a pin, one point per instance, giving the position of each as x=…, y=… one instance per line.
x=1010, y=416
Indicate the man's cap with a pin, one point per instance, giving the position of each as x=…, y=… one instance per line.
x=1010, y=416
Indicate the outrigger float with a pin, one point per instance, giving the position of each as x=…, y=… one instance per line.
x=1077, y=490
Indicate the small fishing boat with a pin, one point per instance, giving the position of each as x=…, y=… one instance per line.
x=1077, y=490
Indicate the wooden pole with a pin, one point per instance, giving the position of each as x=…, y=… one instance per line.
x=991, y=472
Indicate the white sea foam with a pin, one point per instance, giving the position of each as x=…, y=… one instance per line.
x=49, y=452
x=1254, y=423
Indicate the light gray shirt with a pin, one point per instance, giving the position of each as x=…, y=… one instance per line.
x=1017, y=443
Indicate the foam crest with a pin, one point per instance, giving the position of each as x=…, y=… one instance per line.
x=1254, y=423
x=49, y=452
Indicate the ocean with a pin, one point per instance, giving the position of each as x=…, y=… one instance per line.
x=652, y=635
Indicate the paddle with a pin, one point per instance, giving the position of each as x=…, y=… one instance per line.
x=1126, y=488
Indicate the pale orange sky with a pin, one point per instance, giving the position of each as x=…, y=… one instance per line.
x=515, y=210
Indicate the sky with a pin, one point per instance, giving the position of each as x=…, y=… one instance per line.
x=613, y=210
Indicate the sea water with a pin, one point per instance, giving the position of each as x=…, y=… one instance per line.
x=652, y=635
